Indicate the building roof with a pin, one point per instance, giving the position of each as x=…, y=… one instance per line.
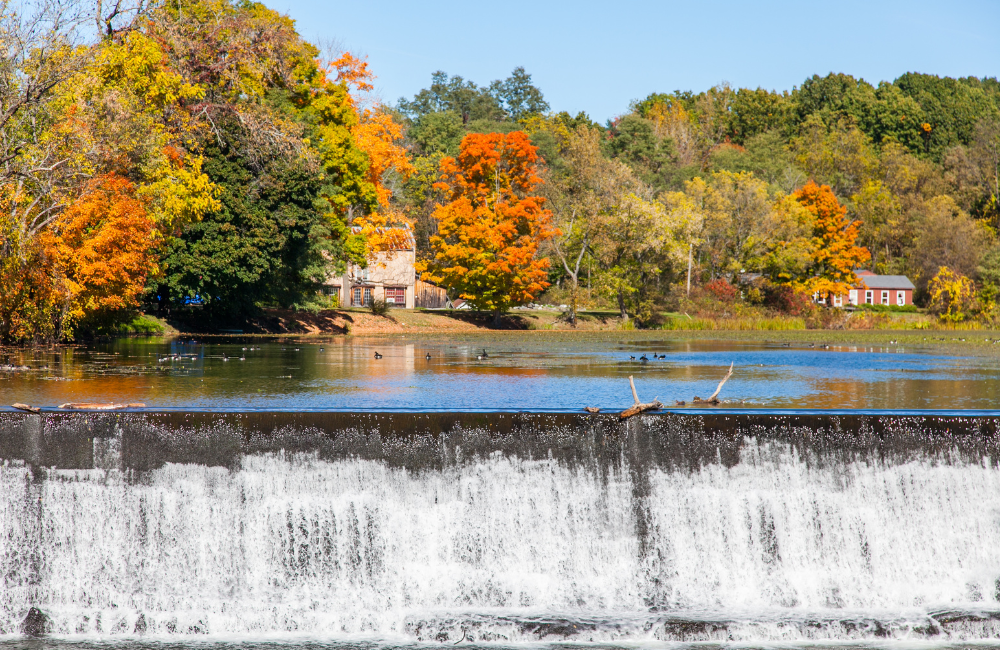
x=873, y=281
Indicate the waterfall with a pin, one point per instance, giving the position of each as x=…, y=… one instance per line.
x=778, y=543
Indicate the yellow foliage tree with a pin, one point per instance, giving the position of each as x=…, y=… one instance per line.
x=953, y=296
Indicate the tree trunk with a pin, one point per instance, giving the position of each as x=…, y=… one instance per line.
x=621, y=305
x=496, y=318
x=572, y=301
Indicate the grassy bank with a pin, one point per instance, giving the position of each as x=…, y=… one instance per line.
x=860, y=325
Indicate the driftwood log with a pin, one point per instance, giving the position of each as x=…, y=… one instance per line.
x=25, y=407
x=592, y=409
x=714, y=399
x=638, y=407
x=93, y=406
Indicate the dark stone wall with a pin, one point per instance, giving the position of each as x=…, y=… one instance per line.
x=146, y=440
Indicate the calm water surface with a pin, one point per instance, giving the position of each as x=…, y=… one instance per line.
x=519, y=373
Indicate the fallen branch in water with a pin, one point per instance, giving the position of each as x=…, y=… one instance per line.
x=592, y=409
x=25, y=407
x=87, y=406
x=638, y=407
x=714, y=399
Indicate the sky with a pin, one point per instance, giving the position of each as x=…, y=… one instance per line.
x=599, y=56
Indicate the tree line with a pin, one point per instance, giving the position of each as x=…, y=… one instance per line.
x=200, y=157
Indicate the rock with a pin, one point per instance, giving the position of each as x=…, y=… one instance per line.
x=140, y=624
x=36, y=623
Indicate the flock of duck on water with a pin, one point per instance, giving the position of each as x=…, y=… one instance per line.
x=479, y=357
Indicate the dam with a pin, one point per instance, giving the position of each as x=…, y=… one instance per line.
x=459, y=528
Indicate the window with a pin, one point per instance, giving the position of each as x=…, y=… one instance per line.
x=361, y=297
x=868, y=297
x=853, y=296
x=900, y=298
x=838, y=301
x=885, y=297
x=395, y=295
x=331, y=290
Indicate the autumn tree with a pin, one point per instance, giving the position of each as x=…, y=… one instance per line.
x=835, y=253
x=582, y=199
x=643, y=241
x=947, y=237
x=490, y=230
x=103, y=246
x=952, y=295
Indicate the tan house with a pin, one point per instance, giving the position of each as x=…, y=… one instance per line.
x=390, y=276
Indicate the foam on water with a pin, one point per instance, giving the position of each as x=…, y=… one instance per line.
x=778, y=546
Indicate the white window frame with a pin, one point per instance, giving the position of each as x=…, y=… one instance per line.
x=885, y=297
x=901, y=298
x=852, y=297
x=869, y=297
x=838, y=301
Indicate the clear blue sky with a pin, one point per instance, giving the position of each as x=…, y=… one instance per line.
x=598, y=56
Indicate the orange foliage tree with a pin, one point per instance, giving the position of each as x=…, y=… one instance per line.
x=490, y=230
x=378, y=136
x=835, y=253
x=103, y=246
x=33, y=305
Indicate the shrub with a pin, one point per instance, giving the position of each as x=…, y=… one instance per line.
x=785, y=299
x=722, y=290
x=911, y=309
x=379, y=307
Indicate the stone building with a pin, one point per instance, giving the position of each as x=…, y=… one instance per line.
x=390, y=276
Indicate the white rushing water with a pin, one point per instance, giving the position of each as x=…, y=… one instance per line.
x=506, y=549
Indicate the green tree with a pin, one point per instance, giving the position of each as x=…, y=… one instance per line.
x=633, y=140
x=755, y=112
x=271, y=242
x=950, y=107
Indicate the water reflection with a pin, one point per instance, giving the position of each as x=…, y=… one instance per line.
x=520, y=372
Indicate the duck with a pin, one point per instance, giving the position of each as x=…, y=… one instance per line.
x=632, y=357
x=428, y=356
x=243, y=358
x=321, y=349
x=479, y=357
x=643, y=358
x=485, y=356
x=378, y=356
